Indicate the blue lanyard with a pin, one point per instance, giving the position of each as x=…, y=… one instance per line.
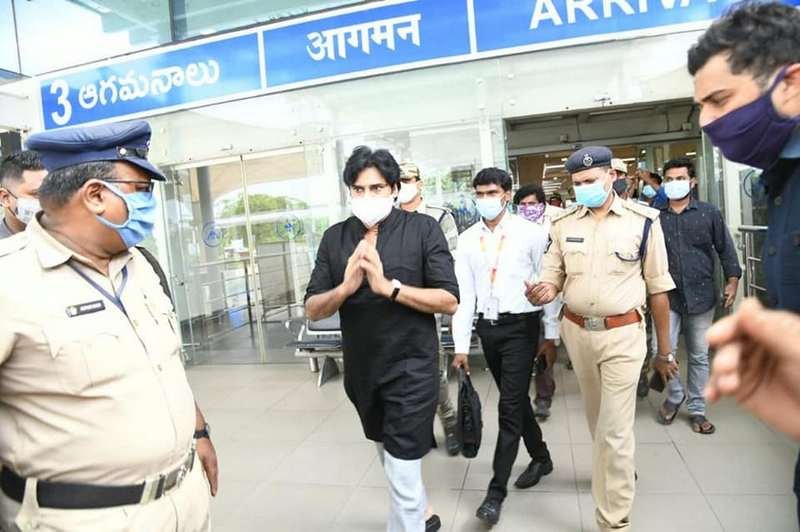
x=116, y=298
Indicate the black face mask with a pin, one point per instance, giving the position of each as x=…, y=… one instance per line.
x=620, y=186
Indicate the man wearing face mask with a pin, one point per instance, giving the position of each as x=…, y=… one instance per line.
x=531, y=205
x=652, y=192
x=746, y=70
x=21, y=174
x=90, y=354
x=693, y=231
x=410, y=199
x=387, y=272
x=605, y=257
x=622, y=185
x=496, y=259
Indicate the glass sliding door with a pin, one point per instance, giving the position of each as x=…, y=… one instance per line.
x=242, y=236
x=290, y=203
x=215, y=297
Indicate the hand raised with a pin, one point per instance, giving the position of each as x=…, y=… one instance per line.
x=354, y=273
x=373, y=268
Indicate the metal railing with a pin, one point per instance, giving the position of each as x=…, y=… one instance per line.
x=752, y=260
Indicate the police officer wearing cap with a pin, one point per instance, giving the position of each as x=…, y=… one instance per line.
x=605, y=256
x=99, y=430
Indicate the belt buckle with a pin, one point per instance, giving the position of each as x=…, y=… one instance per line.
x=153, y=489
x=594, y=324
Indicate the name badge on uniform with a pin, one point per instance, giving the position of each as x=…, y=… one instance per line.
x=575, y=239
x=91, y=307
x=491, y=311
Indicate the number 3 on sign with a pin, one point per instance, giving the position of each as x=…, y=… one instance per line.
x=60, y=88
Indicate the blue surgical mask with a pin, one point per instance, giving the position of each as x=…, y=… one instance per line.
x=649, y=192
x=676, y=190
x=141, y=216
x=490, y=208
x=592, y=196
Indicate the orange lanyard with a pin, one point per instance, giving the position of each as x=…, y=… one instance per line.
x=493, y=270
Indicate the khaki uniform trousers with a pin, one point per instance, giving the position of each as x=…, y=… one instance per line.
x=607, y=365
x=185, y=509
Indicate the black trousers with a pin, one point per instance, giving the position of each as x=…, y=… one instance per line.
x=509, y=346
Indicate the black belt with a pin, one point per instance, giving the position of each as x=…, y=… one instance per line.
x=71, y=496
x=507, y=317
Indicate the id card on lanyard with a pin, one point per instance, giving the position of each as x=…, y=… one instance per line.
x=491, y=309
x=116, y=297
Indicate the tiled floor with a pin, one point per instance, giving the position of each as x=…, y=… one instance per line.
x=293, y=459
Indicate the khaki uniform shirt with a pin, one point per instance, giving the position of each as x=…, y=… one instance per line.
x=550, y=212
x=99, y=397
x=448, y=224
x=596, y=263
x=446, y=221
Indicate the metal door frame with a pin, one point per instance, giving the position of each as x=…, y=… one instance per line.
x=257, y=303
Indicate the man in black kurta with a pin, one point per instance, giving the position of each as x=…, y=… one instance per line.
x=387, y=272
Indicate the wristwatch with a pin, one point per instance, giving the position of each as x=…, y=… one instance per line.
x=669, y=357
x=397, y=285
x=205, y=432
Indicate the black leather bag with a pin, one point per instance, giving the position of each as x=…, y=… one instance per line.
x=470, y=423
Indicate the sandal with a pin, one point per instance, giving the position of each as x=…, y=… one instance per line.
x=668, y=411
x=701, y=425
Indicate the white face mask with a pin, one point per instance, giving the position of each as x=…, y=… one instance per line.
x=371, y=210
x=676, y=190
x=27, y=209
x=490, y=208
x=408, y=191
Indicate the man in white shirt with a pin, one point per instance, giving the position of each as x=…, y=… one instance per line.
x=496, y=260
x=531, y=205
x=410, y=199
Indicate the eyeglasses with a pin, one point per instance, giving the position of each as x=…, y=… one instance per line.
x=141, y=186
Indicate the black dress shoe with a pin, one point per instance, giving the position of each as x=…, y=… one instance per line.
x=433, y=523
x=451, y=442
x=534, y=473
x=489, y=511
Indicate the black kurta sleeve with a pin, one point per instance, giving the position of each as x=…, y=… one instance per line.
x=438, y=262
x=322, y=277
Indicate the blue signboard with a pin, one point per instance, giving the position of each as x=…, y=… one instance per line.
x=513, y=23
x=352, y=42
x=409, y=32
x=185, y=75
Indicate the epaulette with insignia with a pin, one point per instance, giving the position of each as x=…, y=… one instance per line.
x=567, y=212
x=13, y=243
x=643, y=210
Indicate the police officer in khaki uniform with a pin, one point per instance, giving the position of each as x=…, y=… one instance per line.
x=410, y=199
x=99, y=430
x=606, y=256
